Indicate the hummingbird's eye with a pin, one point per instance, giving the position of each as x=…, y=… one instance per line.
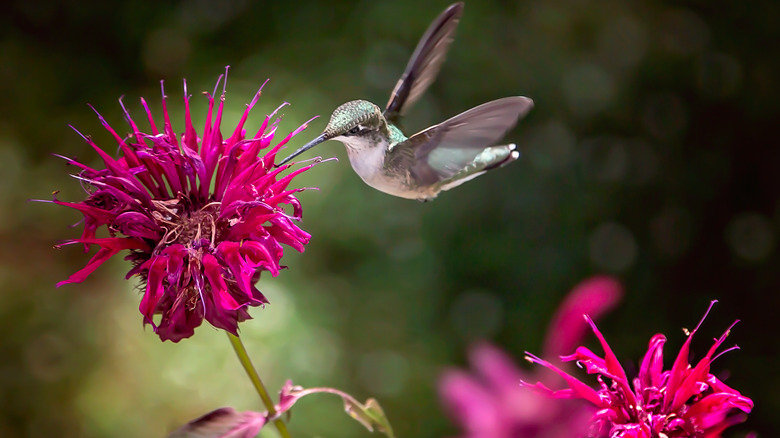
x=354, y=130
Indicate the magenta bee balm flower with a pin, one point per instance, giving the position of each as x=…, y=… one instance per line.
x=685, y=401
x=490, y=402
x=201, y=216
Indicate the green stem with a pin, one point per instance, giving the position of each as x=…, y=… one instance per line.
x=243, y=357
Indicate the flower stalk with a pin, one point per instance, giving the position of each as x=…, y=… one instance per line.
x=246, y=362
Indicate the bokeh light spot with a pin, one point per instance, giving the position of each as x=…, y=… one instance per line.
x=383, y=372
x=477, y=314
x=750, y=236
x=613, y=247
x=622, y=42
x=644, y=161
x=664, y=115
x=718, y=74
x=671, y=230
x=589, y=89
x=682, y=32
x=551, y=146
x=606, y=158
x=316, y=353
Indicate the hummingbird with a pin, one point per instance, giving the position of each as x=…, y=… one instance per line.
x=435, y=159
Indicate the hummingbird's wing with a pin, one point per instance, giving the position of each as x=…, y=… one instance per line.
x=442, y=151
x=425, y=62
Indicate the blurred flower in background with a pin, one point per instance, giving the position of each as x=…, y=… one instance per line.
x=202, y=217
x=685, y=401
x=492, y=403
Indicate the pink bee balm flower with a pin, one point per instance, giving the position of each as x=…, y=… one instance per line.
x=490, y=402
x=201, y=216
x=683, y=402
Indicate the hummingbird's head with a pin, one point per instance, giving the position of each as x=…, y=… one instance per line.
x=354, y=117
x=350, y=123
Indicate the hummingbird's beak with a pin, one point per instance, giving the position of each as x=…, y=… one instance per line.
x=320, y=138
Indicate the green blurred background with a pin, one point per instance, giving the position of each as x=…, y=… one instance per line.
x=648, y=155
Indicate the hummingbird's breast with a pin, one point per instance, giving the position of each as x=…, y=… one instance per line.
x=370, y=163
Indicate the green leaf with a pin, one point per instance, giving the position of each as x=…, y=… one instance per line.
x=370, y=415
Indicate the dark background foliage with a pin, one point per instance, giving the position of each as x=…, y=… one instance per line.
x=651, y=154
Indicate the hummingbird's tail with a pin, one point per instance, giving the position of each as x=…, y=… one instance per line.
x=502, y=155
x=490, y=158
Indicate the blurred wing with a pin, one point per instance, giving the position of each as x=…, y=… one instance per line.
x=443, y=150
x=425, y=62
